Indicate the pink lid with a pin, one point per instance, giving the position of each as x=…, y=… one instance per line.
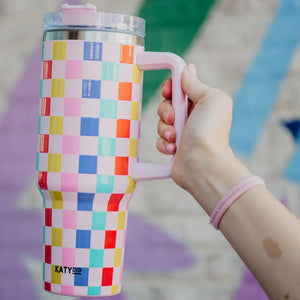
x=84, y=15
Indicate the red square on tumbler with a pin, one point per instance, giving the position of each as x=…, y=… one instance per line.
x=48, y=217
x=107, y=276
x=47, y=286
x=114, y=202
x=43, y=180
x=110, y=239
x=44, y=143
x=47, y=69
x=45, y=106
x=48, y=254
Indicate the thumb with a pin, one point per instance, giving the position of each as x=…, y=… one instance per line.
x=191, y=85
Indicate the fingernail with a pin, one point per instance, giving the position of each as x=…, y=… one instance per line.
x=167, y=135
x=192, y=69
x=170, y=148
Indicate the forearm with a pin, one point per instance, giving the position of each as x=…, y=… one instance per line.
x=267, y=238
x=261, y=230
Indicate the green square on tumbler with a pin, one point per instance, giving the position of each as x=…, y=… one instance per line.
x=105, y=184
x=107, y=146
x=96, y=258
x=99, y=220
x=94, y=290
x=108, y=109
x=110, y=71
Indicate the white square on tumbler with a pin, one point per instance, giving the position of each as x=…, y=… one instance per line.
x=75, y=49
x=121, y=184
x=48, y=50
x=73, y=88
x=125, y=72
x=87, y=183
x=82, y=257
x=70, y=200
x=84, y=220
x=97, y=239
x=92, y=69
x=58, y=68
x=56, y=255
x=80, y=290
x=136, y=93
x=106, y=165
x=57, y=106
x=109, y=89
x=67, y=278
x=43, y=162
x=72, y=125
x=90, y=108
x=47, y=272
x=106, y=290
x=111, y=52
x=112, y=220
x=69, y=238
x=48, y=235
x=57, y=218
x=54, y=181
x=45, y=124
x=108, y=258
x=100, y=202
x=135, y=129
x=95, y=276
x=117, y=276
x=108, y=127
x=122, y=147
x=55, y=143
x=124, y=110
x=120, y=238
x=47, y=87
x=69, y=163
x=89, y=145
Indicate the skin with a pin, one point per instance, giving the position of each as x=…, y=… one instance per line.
x=260, y=229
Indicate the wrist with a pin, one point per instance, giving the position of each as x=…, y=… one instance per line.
x=215, y=177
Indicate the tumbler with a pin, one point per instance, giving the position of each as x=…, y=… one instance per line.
x=89, y=130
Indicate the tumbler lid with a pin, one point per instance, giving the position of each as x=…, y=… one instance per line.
x=85, y=17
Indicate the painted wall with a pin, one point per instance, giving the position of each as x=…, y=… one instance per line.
x=250, y=49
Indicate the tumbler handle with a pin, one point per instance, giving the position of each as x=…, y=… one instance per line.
x=156, y=61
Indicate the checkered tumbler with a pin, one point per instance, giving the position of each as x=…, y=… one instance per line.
x=84, y=248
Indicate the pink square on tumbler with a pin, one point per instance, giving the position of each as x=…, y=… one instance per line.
x=73, y=69
x=72, y=107
x=69, y=183
x=69, y=219
x=68, y=256
x=71, y=144
x=67, y=290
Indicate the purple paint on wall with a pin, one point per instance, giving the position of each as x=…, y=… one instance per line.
x=21, y=230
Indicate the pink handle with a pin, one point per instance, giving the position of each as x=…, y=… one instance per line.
x=156, y=61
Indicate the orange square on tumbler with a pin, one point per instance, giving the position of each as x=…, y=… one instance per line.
x=121, y=165
x=125, y=91
x=126, y=54
x=123, y=128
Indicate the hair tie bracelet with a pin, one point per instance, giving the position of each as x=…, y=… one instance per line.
x=226, y=201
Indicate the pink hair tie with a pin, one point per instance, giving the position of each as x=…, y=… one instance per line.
x=238, y=190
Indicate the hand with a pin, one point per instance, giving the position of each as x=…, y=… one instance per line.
x=204, y=157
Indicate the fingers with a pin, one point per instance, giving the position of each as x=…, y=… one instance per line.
x=165, y=147
x=166, y=112
x=166, y=132
x=166, y=89
x=192, y=86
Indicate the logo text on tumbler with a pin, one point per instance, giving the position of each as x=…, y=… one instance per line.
x=68, y=270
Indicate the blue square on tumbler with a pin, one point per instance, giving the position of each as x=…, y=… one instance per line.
x=85, y=201
x=92, y=51
x=89, y=126
x=91, y=88
x=87, y=164
x=83, y=239
x=82, y=278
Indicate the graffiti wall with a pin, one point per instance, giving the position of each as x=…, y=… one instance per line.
x=249, y=49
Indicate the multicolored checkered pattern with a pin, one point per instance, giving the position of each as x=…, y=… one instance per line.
x=89, y=130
